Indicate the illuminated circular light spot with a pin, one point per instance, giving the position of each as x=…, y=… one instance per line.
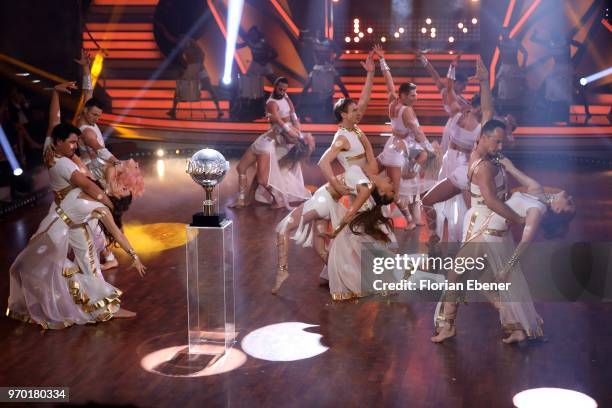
x=383, y=39
x=347, y=52
x=583, y=81
x=283, y=342
x=424, y=30
x=177, y=151
x=369, y=30
x=361, y=35
x=18, y=171
x=35, y=81
x=451, y=39
x=474, y=20
x=552, y=397
x=433, y=29
x=428, y=20
x=401, y=30
x=356, y=21
x=347, y=39
x=460, y=25
x=153, y=238
x=160, y=153
x=356, y=39
x=433, y=34
x=356, y=30
x=465, y=30
x=396, y=34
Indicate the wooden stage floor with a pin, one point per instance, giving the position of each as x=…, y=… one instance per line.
x=379, y=353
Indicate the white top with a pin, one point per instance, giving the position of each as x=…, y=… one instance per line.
x=61, y=172
x=500, y=186
x=398, y=126
x=463, y=138
x=519, y=203
x=355, y=155
x=87, y=152
x=283, y=106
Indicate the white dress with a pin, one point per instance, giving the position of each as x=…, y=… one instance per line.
x=48, y=289
x=344, y=261
x=454, y=167
x=393, y=156
x=286, y=184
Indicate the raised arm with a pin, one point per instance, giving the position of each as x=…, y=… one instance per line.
x=90, y=139
x=109, y=223
x=378, y=50
x=364, y=98
x=432, y=71
x=484, y=177
x=87, y=85
x=486, y=96
x=410, y=120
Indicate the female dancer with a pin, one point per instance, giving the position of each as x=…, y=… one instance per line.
x=280, y=185
x=490, y=236
x=367, y=225
x=459, y=84
x=46, y=288
x=464, y=129
x=408, y=150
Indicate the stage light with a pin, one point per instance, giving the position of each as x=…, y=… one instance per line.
x=383, y=39
x=460, y=25
x=356, y=21
x=424, y=30
x=289, y=341
x=369, y=30
x=347, y=39
x=356, y=39
x=356, y=30
x=474, y=21
x=433, y=34
x=234, y=16
x=465, y=30
x=401, y=30
x=23, y=74
x=8, y=152
x=451, y=39
x=428, y=20
x=552, y=397
x=594, y=77
x=35, y=81
x=396, y=34
x=177, y=151
x=360, y=35
x=433, y=29
x=160, y=153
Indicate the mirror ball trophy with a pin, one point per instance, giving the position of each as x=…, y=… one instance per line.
x=210, y=262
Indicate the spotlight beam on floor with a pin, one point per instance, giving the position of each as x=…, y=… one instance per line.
x=8, y=152
x=594, y=77
x=233, y=24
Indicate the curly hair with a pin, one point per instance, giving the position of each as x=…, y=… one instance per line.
x=300, y=151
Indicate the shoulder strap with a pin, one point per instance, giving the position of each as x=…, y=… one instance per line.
x=473, y=168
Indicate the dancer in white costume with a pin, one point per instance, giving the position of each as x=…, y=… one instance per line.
x=464, y=129
x=459, y=84
x=364, y=223
x=46, y=288
x=350, y=145
x=280, y=181
x=490, y=235
x=407, y=152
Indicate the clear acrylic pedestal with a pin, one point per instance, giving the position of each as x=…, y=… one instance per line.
x=210, y=288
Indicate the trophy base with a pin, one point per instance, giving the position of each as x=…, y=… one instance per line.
x=201, y=220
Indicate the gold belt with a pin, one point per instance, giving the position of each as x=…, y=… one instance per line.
x=494, y=232
x=359, y=156
x=64, y=216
